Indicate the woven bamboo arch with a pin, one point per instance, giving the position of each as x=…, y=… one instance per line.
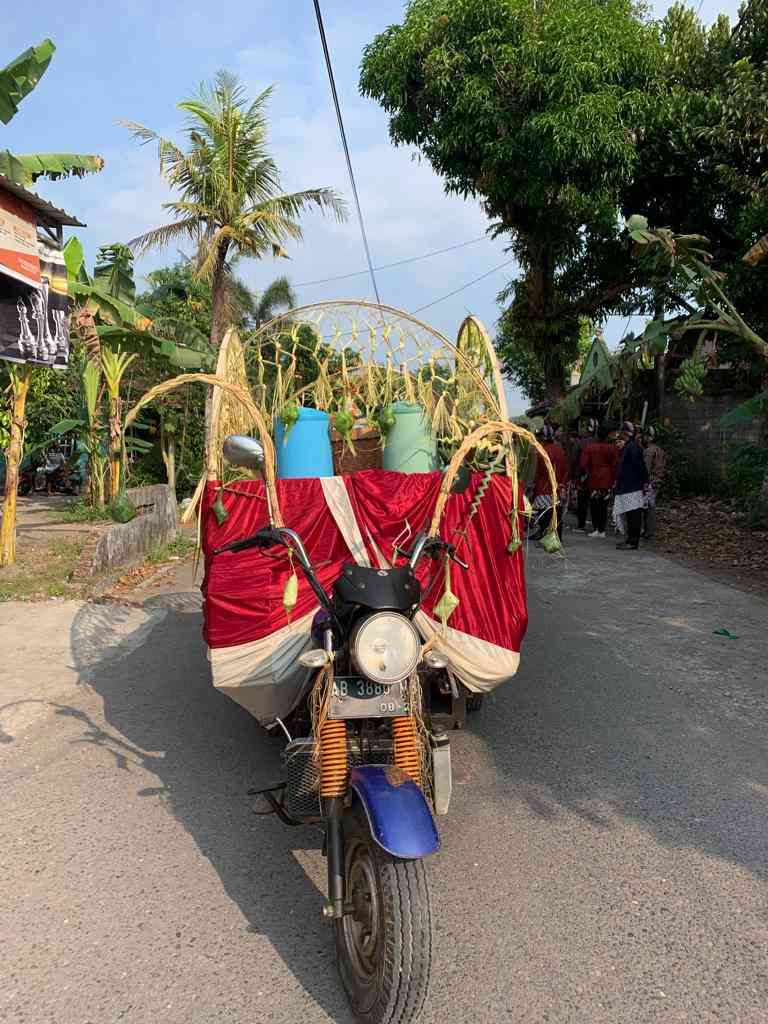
x=474, y=338
x=385, y=334
x=505, y=430
x=243, y=397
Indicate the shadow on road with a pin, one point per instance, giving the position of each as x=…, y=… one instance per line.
x=206, y=752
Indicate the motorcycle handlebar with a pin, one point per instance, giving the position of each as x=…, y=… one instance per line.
x=267, y=537
x=431, y=546
x=270, y=536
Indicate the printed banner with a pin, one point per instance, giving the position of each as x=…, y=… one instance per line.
x=34, y=322
x=18, y=241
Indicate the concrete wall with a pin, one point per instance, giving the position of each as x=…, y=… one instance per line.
x=709, y=442
x=125, y=545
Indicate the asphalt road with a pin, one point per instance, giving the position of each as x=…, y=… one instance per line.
x=604, y=861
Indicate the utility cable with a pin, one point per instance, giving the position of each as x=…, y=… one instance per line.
x=398, y=263
x=463, y=287
x=343, y=134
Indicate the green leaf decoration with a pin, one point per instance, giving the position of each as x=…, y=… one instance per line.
x=219, y=511
x=291, y=593
x=343, y=422
x=551, y=543
x=514, y=546
x=290, y=417
x=449, y=602
x=386, y=420
x=724, y=632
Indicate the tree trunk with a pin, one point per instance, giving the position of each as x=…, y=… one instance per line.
x=168, y=451
x=660, y=365
x=115, y=447
x=20, y=380
x=555, y=379
x=217, y=325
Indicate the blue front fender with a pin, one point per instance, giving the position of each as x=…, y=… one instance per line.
x=398, y=813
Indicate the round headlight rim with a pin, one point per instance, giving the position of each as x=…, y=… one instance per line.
x=400, y=618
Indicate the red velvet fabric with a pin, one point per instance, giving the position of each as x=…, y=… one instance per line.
x=244, y=591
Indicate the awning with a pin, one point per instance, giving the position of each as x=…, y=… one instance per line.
x=46, y=212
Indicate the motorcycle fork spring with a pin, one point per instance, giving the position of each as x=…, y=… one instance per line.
x=334, y=763
x=407, y=748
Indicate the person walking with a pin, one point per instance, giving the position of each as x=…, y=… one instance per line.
x=656, y=464
x=542, y=488
x=600, y=463
x=631, y=481
x=54, y=464
x=578, y=474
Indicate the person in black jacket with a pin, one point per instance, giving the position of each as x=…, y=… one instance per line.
x=631, y=482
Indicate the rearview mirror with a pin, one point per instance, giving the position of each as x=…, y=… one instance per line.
x=245, y=452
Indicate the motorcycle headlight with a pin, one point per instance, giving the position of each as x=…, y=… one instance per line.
x=386, y=647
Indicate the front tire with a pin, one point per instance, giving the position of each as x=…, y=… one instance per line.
x=384, y=946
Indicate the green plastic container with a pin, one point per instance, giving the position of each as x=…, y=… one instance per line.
x=410, y=447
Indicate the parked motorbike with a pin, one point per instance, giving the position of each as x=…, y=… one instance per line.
x=26, y=480
x=378, y=769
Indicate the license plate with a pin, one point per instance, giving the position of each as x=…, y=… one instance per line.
x=354, y=697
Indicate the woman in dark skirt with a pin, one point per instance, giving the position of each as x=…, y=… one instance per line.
x=631, y=481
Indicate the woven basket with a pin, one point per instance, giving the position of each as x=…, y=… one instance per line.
x=367, y=454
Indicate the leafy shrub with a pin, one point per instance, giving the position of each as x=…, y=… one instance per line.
x=81, y=511
x=746, y=469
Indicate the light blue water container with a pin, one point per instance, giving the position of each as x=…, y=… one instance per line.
x=307, y=452
x=410, y=447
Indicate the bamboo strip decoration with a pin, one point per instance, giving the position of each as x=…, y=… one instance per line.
x=504, y=430
x=244, y=397
x=355, y=359
x=228, y=414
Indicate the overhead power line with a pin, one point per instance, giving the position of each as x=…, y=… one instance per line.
x=463, y=287
x=397, y=263
x=343, y=134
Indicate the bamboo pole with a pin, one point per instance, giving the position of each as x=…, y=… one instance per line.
x=20, y=381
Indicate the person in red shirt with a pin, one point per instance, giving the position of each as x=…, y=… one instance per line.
x=600, y=462
x=542, y=488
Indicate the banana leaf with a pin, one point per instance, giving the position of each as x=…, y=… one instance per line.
x=112, y=310
x=748, y=410
x=11, y=167
x=20, y=77
x=113, y=272
x=26, y=168
x=74, y=258
x=67, y=426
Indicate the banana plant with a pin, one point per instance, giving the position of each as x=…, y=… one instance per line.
x=17, y=80
x=88, y=429
x=105, y=312
x=114, y=364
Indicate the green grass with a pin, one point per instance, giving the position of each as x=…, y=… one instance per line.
x=178, y=548
x=41, y=571
x=81, y=512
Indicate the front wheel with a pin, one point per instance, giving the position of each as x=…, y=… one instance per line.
x=384, y=944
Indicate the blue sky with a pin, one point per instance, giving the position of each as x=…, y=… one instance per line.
x=151, y=55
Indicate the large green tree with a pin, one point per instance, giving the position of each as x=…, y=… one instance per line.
x=231, y=205
x=701, y=166
x=535, y=109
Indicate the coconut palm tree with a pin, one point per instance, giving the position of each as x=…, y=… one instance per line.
x=231, y=205
x=279, y=295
